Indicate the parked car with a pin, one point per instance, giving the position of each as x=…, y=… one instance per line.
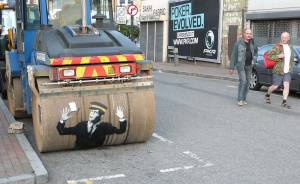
x=263, y=76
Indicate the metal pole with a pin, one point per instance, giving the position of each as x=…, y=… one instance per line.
x=131, y=28
x=84, y=24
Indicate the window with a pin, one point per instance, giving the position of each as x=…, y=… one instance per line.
x=260, y=29
x=102, y=8
x=32, y=15
x=280, y=27
x=62, y=12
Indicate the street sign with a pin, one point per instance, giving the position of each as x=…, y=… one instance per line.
x=121, y=15
x=132, y=10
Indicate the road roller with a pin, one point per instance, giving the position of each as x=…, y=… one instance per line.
x=84, y=83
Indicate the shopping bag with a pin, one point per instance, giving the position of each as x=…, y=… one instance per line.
x=268, y=63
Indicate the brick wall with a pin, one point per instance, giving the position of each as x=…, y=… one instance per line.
x=232, y=15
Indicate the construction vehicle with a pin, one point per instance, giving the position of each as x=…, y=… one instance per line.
x=7, y=26
x=69, y=51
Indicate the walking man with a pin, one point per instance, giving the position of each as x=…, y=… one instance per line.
x=242, y=56
x=282, y=53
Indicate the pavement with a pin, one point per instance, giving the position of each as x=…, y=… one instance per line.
x=20, y=164
x=198, y=69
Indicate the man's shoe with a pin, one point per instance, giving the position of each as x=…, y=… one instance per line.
x=245, y=102
x=240, y=103
x=267, y=97
x=285, y=105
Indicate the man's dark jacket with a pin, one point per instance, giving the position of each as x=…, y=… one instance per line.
x=86, y=140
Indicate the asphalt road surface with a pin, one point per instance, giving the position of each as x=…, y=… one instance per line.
x=201, y=136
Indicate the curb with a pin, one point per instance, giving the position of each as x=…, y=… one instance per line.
x=198, y=75
x=40, y=174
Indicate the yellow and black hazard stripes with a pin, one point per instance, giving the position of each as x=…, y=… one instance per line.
x=63, y=61
x=93, y=71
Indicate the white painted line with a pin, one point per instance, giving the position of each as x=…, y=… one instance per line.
x=200, y=160
x=232, y=86
x=97, y=178
x=194, y=156
x=162, y=138
x=176, y=169
x=208, y=164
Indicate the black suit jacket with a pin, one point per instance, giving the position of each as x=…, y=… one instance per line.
x=86, y=140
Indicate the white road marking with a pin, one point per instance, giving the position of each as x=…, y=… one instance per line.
x=232, y=86
x=176, y=169
x=97, y=178
x=208, y=164
x=162, y=138
x=200, y=160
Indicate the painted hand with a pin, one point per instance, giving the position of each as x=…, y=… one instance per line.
x=65, y=115
x=120, y=112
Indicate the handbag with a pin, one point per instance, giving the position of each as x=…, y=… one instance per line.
x=268, y=63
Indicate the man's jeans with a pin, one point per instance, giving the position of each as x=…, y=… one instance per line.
x=244, y=78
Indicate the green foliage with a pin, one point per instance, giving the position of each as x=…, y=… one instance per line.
x=126, y=29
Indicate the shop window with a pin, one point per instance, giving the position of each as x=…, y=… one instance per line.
x=282, y=26
x=260, y=29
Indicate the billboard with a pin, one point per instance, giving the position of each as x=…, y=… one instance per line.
x=194, y=28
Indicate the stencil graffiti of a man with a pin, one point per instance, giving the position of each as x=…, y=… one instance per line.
x=91, y=133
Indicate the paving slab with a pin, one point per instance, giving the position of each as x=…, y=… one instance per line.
x=198, y=69
x=19, y=164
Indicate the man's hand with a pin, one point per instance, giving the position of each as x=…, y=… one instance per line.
x=65, y=115
x=281, y=56
x=120, y=112
x=231, y=71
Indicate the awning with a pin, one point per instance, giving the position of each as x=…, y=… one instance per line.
x=292, y=14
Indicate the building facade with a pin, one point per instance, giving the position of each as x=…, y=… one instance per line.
x=233, y=24
x=269, y=18
x=194, y=30
x=154, y=29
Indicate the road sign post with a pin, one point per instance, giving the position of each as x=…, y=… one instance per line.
x=132, y=10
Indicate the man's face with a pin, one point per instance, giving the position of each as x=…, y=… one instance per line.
x=285, y=38
x=247, y=34
x=94, y=114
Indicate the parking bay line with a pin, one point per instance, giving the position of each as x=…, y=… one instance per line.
x=96, y=179
x=188, y=153
x=231, y=86
x=162, y=138
x=200, y=160
x=176, y=169
x=184, y=168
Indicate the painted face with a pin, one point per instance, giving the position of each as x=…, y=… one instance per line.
x=93, y=115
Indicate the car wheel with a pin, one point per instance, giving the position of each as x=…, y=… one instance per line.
x=254, y=84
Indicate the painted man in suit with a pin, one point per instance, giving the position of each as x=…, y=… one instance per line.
x=91, y=133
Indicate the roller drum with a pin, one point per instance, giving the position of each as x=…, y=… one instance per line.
x=47, y=105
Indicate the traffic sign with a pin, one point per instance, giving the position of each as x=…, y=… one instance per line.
x=121, y=15
x=132, y=10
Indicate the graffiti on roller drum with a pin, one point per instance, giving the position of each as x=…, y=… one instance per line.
x=91, y=133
